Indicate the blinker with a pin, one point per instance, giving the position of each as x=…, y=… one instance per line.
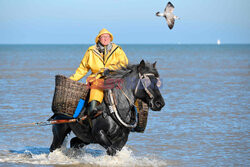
x=147, y=82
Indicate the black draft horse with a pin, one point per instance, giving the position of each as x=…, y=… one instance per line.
x=138, y=82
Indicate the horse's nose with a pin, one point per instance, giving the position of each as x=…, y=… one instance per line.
x=159, y=104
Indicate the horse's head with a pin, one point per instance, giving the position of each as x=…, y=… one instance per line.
x=147, y=88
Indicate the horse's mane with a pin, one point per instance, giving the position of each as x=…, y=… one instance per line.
x=122, y=71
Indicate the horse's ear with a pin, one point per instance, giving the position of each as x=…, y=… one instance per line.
x=141, y=65
x=154, y=64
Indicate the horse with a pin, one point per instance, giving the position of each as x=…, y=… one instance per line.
x=111, y=129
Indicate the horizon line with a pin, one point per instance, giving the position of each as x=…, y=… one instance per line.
x=126, y=44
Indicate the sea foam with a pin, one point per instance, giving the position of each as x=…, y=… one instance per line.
x=81, y=157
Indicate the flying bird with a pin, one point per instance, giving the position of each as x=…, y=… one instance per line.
x=168, y=14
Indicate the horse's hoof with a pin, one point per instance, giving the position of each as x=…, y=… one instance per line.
x=111, y=151
x=51, y=149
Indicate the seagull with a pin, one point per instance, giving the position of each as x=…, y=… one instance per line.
x=168, y=14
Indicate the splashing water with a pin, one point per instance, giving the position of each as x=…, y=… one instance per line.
x=83, y=157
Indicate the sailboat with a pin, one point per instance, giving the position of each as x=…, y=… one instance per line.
x=218, y=42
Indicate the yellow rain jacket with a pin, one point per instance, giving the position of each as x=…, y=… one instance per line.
x=96, y=62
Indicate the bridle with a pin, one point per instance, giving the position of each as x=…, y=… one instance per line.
x=143, y=79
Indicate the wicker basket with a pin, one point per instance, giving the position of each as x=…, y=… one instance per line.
x=67, y=95
x=142, y=109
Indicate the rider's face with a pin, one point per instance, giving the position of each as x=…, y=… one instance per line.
x=105, y=39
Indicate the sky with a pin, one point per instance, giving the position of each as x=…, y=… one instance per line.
x=130, y=21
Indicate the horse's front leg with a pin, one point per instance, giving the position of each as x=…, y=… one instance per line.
x=60, y=131
x=102, y=138
x=121, y=139
x=101, y=129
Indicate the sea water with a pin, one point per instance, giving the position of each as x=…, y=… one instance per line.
x=205, y=121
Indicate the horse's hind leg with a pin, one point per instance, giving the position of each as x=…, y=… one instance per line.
x=77, y=143
x=60, y=131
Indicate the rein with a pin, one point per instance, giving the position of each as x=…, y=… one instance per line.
x=113, y=108
x=130, y=101
x=136, y=89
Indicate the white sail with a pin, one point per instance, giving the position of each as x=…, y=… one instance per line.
x=218, y=42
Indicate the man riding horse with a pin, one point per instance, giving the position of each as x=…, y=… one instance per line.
x=119, y=116
x=100, y=57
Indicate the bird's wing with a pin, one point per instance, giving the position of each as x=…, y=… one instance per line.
x=169, y=8
x=170, y=21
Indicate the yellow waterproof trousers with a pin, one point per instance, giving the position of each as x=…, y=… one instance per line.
x=96, y=89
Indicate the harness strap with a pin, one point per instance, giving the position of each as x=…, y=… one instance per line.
x=113, y=109
x=145, y=88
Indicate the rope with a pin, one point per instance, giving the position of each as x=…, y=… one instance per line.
x=60, y=121
x=27, y=124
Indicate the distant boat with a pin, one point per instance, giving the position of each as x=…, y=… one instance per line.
x=218, y=42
